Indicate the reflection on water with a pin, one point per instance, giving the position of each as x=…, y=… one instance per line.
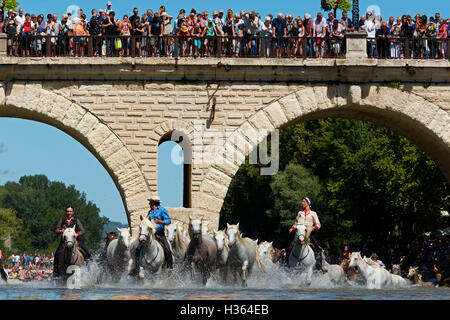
x=277, y=284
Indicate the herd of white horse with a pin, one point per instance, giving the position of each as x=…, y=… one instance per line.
x=227, y=256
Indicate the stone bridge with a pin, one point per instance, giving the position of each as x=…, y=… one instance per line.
x=121, y=109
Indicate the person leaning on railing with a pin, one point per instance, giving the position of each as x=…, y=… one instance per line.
x=337, y=35
x=279, y=26
x=109, y=27
x=156, y=31
x=442, y=38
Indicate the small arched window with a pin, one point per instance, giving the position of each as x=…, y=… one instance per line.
x=174, y=169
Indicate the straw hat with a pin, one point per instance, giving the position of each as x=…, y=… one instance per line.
x=154, y=198
x=184, y=29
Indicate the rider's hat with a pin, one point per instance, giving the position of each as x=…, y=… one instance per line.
x=154, y=198
x=374, y=255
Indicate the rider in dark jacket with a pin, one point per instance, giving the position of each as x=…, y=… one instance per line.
x=69, y=221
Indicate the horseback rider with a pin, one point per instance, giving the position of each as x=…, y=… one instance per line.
x=312, y=217
x=160, y=216
x=69, y=221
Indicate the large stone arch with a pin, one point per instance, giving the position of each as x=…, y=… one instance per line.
x=404, y=112
x=30, y=101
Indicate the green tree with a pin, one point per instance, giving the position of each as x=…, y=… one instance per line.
x=40, y=203
x=10, y=4
x=246, y=202
x=334, y=5
x=11, y=227
x=288, y=188
x=371, y=181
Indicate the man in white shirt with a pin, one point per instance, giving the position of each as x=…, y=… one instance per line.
x=20, y=19
x=370, y=28
x=320, y=26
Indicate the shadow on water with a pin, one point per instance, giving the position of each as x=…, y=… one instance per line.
x=275, y=284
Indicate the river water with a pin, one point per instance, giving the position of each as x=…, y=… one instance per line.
x=276, y=284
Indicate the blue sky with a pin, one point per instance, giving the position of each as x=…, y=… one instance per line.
x=296, y=7
x=31, y=147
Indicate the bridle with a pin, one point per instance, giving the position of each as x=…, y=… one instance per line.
x=296, y=257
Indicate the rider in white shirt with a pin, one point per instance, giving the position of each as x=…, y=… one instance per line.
x=312, y=217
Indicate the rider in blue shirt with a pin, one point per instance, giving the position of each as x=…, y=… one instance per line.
x=160, y=216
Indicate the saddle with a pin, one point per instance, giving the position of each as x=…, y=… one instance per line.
x=160, y=240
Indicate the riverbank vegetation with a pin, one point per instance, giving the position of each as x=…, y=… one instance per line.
x=31, y=207
x=367, y=184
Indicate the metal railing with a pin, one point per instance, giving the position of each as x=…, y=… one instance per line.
x=175, y=46
x=216, y=46
x=408, y=48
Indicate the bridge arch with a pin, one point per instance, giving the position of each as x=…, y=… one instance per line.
x=30, y=101
x=404, y=112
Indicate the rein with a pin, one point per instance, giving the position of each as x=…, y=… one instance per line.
x=157, y=247
x=156, y=255
x=298, y=257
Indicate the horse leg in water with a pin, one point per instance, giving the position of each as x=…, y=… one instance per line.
x=3, y=274
x=244, y=273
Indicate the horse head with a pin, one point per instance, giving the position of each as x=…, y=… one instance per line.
x=195, y=227
x=147, y=229
x=266, y=249
x=124, y=237
x=205, y=227
x=110, y=236
x=300, y=232
x=278, y=254
x=412, y=271
x=232, y=233
x=355, y=259
x=69, y=237
x=171, y=231
x=396, y=269
x=221, y=240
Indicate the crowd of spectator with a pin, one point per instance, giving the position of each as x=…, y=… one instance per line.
x=431, y=254
x=233, y=34
x=29, y=267
x=421, y=37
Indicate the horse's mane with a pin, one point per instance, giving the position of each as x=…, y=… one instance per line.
x=149, y=223
x=180, y=241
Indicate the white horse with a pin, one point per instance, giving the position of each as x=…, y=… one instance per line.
x=266, y=252
x=202, y=250
x=243, y=253
x=222, y=253
x=205, y=229
x=73, y=258
x=151, y=257
x=118, y=253
x=302, y=254
x=177, y=240
x=334, y=272
x=376, y=277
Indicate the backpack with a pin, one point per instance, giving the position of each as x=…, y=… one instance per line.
x=118, y=44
